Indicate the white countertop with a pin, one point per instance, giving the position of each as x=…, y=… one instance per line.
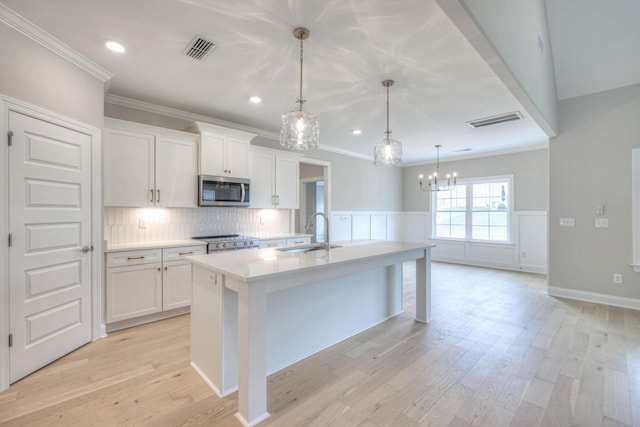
x=249, y=265
x=158, y=244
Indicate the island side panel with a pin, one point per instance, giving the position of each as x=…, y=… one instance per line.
x=252, y=353
x=423, y=287
x=206, y=327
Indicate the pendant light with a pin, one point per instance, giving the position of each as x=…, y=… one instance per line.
x=299, y=129
x=387, y=152
x=434, y=182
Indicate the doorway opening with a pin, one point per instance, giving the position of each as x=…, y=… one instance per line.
x=314, y=197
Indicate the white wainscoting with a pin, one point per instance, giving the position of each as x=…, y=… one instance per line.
x=527, y=251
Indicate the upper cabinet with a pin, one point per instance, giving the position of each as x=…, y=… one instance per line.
x=274, y=179
x=146, y=166
x=223, y=151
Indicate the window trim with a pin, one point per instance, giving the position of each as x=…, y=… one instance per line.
x=469, y=211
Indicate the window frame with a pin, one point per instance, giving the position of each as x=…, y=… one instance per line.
x=469, y=182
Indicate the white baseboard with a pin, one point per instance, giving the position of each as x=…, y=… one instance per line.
x=496, y=265
x=594, y=297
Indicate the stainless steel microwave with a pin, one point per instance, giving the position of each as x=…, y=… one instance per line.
x=223, y=191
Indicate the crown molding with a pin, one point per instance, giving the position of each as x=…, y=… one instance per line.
x=505, y=151
x=344, y=152
x=37, y=34
x=185, y=115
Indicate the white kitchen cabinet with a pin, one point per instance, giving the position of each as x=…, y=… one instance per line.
x=176, y=276
x=143, y=282
x=223, y=151
x=148, y=166
x=272, y=243
x=274, y=179
x=134, y=288
x=301, y=240
x=282, y=242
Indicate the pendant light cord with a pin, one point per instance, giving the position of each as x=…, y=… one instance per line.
x=300, y=98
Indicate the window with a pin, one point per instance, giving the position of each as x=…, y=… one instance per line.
x=475, y=210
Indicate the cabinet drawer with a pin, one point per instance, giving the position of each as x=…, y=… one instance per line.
x=121, y=259
x=273, y=243
x=298, y=241
x=176, y=254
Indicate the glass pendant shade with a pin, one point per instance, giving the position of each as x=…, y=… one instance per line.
x=299, y=129
x=387, y=152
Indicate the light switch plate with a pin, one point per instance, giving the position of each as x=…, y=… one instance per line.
x=567, y=222
x=602, y=223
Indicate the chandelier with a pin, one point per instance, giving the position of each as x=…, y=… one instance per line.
x=387, y=152
x=435, y=183
x=299, y=129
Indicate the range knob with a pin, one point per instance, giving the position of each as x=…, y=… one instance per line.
x=218, y=245
x=245, y=243
x=224, y=245
x=235, y=244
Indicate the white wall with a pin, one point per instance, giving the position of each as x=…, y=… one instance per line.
x=590, y=164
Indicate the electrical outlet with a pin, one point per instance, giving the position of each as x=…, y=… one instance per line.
x=142, y=223
x=617, y=278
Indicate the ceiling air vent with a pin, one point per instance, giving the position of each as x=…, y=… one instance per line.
x=494, y=120
x=199, y=48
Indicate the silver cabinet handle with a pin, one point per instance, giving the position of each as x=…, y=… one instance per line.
x=158, y=196
x=130, y=258
x=151, y=195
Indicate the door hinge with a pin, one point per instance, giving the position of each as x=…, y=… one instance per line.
x=10, y=340
x=10, y=138
x=10, y=239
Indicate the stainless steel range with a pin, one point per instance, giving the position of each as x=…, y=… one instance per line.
x=229, y=242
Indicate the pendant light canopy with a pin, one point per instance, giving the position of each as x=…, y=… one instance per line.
x=299, y=129
x=387, y=152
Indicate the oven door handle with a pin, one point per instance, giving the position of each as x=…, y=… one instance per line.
x=243, y=193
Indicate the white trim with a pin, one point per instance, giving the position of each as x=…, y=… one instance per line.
x=8, y=104
x=594, y=297
x=35, y=33
x=344, y=152
x=635, y=208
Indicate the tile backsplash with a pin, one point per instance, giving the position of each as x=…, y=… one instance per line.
x=131, y=225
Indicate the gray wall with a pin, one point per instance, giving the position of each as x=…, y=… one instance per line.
x=590, y=163
x=529, y=168
x=35, y=75
x=510, y=30
x=358, y=185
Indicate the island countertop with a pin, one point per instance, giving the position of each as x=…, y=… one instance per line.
x=258, y=264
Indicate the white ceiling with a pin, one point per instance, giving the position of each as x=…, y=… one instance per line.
x=441, y=82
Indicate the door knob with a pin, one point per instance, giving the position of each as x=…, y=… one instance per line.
x=87, y=249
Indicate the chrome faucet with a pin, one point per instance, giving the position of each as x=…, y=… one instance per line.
x=327, y=246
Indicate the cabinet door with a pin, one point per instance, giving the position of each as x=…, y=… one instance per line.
x=128, y=161
x=176, y=284
x=212, y=155
x=287, y=177
x=262, y=172
x=237, y=158
x=176, y=173
x=273, y=243
x=133, y=291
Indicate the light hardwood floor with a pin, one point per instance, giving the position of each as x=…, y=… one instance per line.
x=500, y=352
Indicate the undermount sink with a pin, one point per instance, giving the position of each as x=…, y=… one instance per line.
x=305, y=248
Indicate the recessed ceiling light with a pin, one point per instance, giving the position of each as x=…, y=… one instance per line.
x=255, y=99
x=114, y=46
x=356, y=131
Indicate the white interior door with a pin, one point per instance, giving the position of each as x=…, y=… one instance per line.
x=50, y=223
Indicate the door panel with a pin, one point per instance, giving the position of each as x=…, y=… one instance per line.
x=50, y=220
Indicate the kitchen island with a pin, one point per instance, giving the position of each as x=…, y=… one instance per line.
x=255, y=312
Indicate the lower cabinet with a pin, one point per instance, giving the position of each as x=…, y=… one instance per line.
x=289, y=241
x=143, y=282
